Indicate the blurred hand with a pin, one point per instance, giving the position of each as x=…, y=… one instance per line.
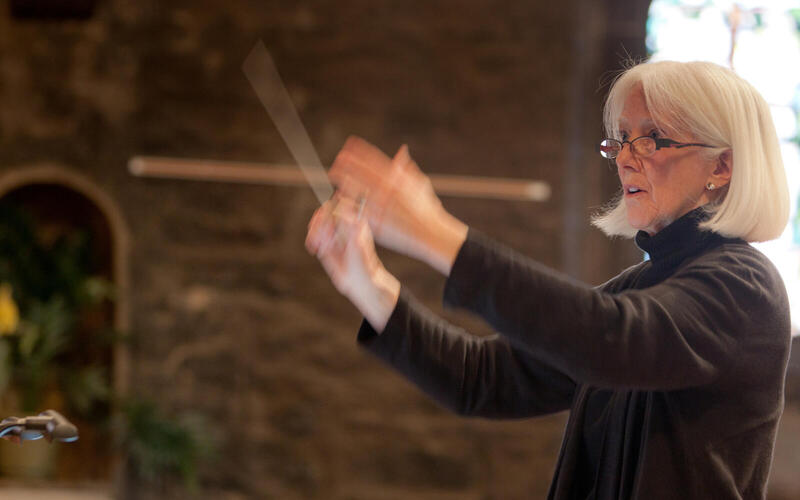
x=343, y=244
x=401, y=206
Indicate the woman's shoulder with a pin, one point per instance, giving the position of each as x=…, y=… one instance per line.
x=733, y=259
x=735, y=256
x=738, y=270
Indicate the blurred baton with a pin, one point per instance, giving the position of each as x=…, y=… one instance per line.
x=260, y=70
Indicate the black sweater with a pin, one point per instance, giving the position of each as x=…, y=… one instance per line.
x=673, y=370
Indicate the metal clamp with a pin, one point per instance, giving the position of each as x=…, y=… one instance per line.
x=49, y=424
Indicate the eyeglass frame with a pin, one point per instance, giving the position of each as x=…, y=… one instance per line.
x=660, y=143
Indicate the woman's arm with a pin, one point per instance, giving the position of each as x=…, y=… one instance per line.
x=726, y=311
x=470, y=375
x=680, y=333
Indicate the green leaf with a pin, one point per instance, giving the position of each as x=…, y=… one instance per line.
x=86, y=388
x=54, y=321
x=29, y=334
x=96, y=289
x=159, y=445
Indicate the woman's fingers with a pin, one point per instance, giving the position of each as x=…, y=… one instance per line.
x=408, y=165
x=319, y=228
x=333, y=263
x=401, y=207
x=360, y=161
x=312, y=237
x=322, y=228
x=401, y=157
x=331, y=224
x=343, y=243
x=345, y=209
x=363, y=171
x=337, y=239
x=321, y=241
x=360, y=153
x=351, y=186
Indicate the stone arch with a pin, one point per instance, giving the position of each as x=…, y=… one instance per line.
x=15, y=178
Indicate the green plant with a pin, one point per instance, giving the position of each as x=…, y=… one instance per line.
x=159, y=445
x=46, y=294
x=46, y=280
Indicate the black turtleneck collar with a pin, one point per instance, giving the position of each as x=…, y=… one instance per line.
x=679, y=240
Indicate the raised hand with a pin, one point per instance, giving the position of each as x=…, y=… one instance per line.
x=401, y=206
x=342, y=242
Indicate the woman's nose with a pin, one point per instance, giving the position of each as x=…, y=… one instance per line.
x=624, y=157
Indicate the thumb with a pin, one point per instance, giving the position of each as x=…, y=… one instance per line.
x=401, y=157
x=403, y=162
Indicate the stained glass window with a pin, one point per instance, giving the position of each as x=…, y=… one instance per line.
x=760, y=40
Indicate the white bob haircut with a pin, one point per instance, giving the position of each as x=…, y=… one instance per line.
x=705, y=102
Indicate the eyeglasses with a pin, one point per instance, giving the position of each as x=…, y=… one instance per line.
x=642, y=146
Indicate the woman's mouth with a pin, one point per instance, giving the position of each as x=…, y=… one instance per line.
x=632, y=191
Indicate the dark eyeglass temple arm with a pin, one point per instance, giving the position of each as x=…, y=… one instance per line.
x=669, y=143
x=692, y=144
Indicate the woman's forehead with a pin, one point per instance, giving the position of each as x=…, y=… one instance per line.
x=634, y=111
x=632, y=122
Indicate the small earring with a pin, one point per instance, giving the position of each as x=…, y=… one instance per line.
x=710, y=186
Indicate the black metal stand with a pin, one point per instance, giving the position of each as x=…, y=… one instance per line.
x=49, y=424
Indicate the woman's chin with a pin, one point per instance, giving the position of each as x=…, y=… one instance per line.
x=640, y=224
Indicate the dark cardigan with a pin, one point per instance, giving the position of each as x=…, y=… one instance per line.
x=673, y=370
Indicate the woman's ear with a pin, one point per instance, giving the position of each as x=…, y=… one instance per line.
x=723, y=169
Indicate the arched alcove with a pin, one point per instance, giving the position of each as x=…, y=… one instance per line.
x=61, y=201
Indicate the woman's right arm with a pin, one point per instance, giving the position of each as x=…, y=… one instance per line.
x=470, y=375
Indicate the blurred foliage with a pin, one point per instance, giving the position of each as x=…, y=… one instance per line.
x=46, y=294
x=158, y=444
x=51, y=289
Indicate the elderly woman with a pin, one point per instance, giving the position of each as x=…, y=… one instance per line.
x=673, y=370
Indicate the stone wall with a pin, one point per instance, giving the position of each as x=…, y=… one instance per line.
x=229, y=315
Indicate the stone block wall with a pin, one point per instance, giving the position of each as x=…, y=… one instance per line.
x=228, y=314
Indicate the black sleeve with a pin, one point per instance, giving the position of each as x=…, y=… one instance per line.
x=682, y=332
x=470, y=375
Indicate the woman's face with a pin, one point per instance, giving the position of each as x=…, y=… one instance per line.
x=670, y=183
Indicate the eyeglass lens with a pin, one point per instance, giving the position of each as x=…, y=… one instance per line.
x=644, y=146
x=609, y=148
